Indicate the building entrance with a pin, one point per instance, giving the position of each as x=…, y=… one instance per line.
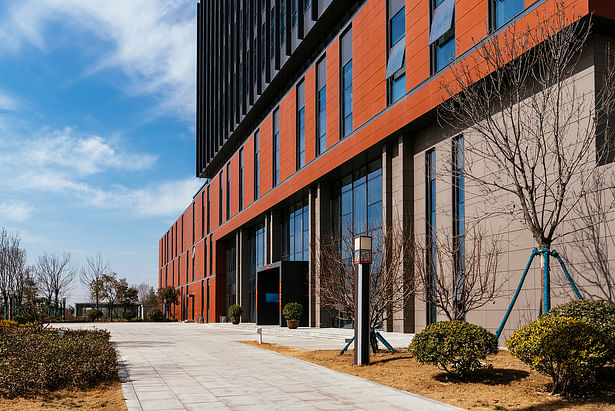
x=278, y=284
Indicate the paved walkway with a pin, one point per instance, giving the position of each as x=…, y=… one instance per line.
x=174, y=366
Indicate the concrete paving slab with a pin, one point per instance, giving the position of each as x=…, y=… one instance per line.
x=167, y=366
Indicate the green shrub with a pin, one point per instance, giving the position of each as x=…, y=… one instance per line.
x=453, y=346
x=570, y=351
x=292, y=311
x=155, y=315
x=599, y=313
x=129, y=314
x=37, y=360
x=234, y=311
x=94, y=314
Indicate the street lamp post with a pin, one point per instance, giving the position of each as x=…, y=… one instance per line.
x=11, y=298
x=63, y=308
x=363, y=259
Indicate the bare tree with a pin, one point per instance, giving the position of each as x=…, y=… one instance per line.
x=147, y=294
x=531, y=144
x=91, y=277
x=13, y=268
x=55, y=276
x=592, y=238
x=459, y=276
x=391, y=286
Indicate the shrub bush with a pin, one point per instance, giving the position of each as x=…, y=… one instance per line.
x=94, y=314
x=155, y=315
x=599, y=313
x=292, y=311
x=453, y=346
x=234, y=311
x=36, y=360
x=8, y=323
x=570, y=351
x=129, y=314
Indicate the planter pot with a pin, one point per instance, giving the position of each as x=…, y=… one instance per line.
x=235, y=320
x=292, y=324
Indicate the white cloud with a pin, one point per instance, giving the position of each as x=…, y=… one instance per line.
x=13, y=210
x=66, y=163
x=7, y=102
x=154, y=41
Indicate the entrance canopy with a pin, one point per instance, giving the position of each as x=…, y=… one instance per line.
x=278, y=284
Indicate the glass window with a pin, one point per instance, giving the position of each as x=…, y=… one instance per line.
x=306, y=4
x=295, y=232
x=300, y=154
x=228, y=191
x=398, y=26
x=322, y=120
x=240, y=185
x=396, y=58
x=282, y=22
x=220, y=199
x=293, y=13
x=442, y=34
x=346, y=72
x=321, y=107
x=442, y=19
x=273, y=37
x=430, y=223
x=347, y=98
x=458, y=214
x=505, y=10
x=444, y=53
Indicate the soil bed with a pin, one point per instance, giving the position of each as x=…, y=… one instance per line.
x=106, y=396
x=508, y=385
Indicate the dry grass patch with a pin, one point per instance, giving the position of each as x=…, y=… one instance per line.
x=507, y=385
x=107, y=396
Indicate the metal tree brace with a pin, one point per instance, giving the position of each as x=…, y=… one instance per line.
x=545, y=252
x=378, y=336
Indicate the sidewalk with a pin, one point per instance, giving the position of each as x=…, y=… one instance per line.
x=171, y=366
x=306, y=338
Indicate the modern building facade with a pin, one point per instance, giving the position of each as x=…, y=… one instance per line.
x=319, y=116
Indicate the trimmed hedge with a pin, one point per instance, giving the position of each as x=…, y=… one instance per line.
x=570, y=351
x=94, y=314
x=599, y=313
x=35, y=360
x=456, y=347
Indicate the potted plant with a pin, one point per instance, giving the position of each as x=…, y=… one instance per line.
x=292, y=312
x=234, y=311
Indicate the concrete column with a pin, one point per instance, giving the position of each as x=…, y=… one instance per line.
x=320, y=225
x=238, y=252
x=274, y=236
x=244, y=260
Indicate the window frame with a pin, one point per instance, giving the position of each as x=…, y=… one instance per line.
x=449, y=35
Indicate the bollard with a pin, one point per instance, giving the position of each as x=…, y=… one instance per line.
x=259, y=331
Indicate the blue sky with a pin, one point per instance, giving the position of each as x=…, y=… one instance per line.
x=97, y=127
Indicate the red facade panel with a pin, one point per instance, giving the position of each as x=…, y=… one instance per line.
x=369, y=33
x=266, y=145
x=471, y=22
x=288, y=134
x=417, y=40
x=199, y=269
x=198, y=218
x=248, y=171
x=214, y=205
x=235, y=184
x=187, y=228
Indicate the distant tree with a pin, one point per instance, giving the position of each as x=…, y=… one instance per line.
x=109, y=292
x=147, y=294
x=168, y=295
x=55, y=276
x=91, y=277
x=126, y=296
